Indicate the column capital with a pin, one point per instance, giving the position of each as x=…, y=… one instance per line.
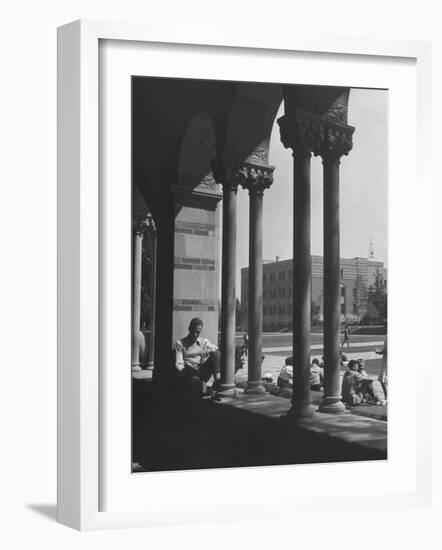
x=142, y=223
x=232, y=173
x=255, y=177
x=306, y=133
x=224, y=173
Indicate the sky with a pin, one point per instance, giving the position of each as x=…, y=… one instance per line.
x=363, y=190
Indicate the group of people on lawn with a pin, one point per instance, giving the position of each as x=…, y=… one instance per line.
x=197, y=360
x=357, y=386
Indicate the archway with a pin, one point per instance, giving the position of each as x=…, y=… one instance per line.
x=196, y=248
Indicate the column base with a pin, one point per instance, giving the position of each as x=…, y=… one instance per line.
x=332, y=405
x=300, y=409
x=254, y=388
x=136, y=367
x=226, y=391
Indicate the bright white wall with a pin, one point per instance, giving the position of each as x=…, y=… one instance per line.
x=28, y=251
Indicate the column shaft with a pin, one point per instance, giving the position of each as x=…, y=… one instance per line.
x=228, y=293
x=254, y=381
x=301, y=401
x=332, y=291
x=136, y=300
x=151, y=348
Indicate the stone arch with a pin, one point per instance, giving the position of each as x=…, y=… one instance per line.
x=252, y=116
x=194, y=172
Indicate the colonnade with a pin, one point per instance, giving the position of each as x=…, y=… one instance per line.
x=254, y=178
x=305, y=134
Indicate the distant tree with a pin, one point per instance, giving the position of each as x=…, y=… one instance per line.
x=238, y=314
x=315, y=310
x=361, y=297
x=376, y=302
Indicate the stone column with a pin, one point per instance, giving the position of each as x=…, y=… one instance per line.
x=140, y=226
x=151, y=347
x=226, y=176
x=337, y=142
x=255, y=178
x=295, y=134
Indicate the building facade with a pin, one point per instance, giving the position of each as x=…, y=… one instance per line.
x=357, y=276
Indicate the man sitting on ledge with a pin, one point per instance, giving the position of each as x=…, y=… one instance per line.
x=196, y=359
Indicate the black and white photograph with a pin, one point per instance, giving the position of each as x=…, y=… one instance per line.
x=221, y=294
x=259, y=274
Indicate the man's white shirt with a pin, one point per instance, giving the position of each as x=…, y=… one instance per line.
x=192, y=354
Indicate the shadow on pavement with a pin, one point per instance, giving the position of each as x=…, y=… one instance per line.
x=174, y=432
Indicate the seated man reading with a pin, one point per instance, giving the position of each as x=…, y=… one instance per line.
x=196, y=359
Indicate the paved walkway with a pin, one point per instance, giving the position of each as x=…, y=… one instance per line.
x=352, y=348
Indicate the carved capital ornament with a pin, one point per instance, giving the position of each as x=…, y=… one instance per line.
x=224, y=174
x=143, y=223
x=254, y=177
x=306, y=134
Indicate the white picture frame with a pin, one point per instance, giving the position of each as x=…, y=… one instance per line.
x=79, y=447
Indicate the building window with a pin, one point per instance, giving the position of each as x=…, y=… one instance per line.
x=264, y=309
x=264, y=293
x=342, y=273
x=343, y=309
x=264, y=277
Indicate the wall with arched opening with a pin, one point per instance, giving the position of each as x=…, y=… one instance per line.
x=196, y=243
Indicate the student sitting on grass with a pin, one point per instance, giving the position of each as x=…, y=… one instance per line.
x=361, y=368
x=316, y=376
x=350, y=380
